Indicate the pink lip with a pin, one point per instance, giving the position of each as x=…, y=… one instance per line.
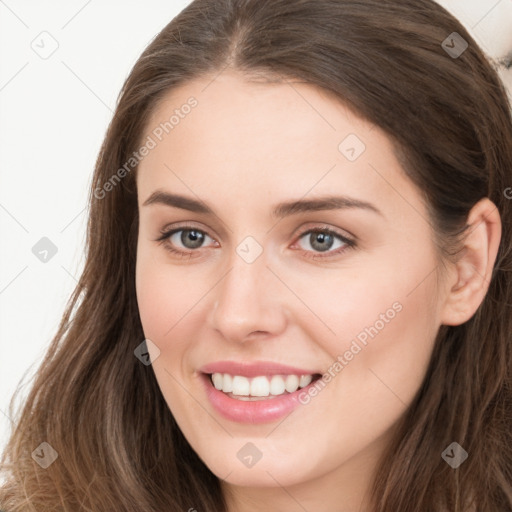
x=258, y=411
x=254, y=369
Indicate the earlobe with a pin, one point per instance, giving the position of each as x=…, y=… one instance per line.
x=473, y=271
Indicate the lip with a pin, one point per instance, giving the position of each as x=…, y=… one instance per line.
x=255, y=369
x=258, y=411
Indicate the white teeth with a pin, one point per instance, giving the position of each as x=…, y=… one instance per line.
x=227, y=385
x=277, y=385
x=260, y=386
x=305, y=380
x=292, y=383
x=217, y=380
x=241, y=386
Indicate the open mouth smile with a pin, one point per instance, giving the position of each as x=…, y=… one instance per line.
x=258, y=393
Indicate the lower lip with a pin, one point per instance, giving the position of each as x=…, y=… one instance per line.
x=257, y=411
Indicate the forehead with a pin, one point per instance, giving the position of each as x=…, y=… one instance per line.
x=241, y=108
x=281, y=138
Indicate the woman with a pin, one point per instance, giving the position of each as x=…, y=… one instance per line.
x=297, y=289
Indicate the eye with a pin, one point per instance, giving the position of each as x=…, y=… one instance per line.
x=324, y=240
x=190, y=238
x=184, y=240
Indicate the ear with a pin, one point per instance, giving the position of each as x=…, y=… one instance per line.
x=471, y=275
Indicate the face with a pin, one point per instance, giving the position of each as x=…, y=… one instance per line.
x=284, y=255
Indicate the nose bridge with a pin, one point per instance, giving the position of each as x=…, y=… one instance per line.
x=244, y=302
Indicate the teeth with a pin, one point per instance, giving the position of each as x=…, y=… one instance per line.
x=291, y=383
x=260, y=386
x=227, y=385
x=217, y=380
x=305, y=380
x=277, y=385
x=241, y=386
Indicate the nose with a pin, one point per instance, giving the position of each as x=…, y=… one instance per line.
x=248, y=302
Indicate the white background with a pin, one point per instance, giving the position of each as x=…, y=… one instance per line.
x=54, y=113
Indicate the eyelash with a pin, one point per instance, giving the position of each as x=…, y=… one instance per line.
x=349, y=243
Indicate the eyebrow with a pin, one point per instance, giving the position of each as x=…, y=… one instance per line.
x=279, y=211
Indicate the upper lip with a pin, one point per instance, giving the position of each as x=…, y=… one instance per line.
x=254, y=369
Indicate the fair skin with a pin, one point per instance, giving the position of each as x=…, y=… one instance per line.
x=245, y=148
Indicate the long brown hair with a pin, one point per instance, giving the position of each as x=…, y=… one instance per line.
x=448, y=116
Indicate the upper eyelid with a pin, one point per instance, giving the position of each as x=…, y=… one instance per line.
x=324, y=227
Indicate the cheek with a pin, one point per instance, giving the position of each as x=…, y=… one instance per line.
x=154, y=300
x=379, y=357
x=387, y=345
x=166, y=308
x=165, y=295
x=378, y=326
x=363, y=301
